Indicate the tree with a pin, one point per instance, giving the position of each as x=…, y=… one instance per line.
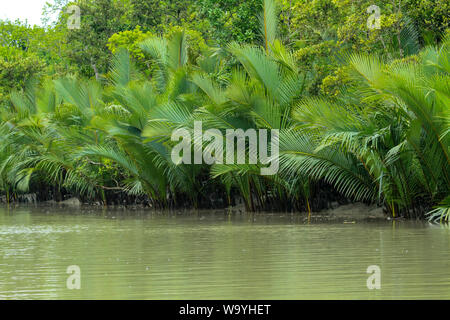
x=100, y=19
x=232, y=20
x=385, y=139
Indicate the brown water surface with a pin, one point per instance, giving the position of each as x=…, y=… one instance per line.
x=214, y=255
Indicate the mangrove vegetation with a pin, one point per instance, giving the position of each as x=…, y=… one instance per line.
x=363, y=113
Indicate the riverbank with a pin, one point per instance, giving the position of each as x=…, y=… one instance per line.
x=346, y=213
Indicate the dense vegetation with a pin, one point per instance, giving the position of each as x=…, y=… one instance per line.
x=363, y=114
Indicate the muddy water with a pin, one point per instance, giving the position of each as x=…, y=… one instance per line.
x=214, y=255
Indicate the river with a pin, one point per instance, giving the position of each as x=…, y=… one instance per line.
x=216, y=255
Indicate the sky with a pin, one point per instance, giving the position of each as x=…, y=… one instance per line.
x=22, y=9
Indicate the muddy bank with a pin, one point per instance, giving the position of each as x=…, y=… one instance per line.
x=353, y=212
x=345, y=213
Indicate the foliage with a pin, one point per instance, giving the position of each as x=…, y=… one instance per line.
x=362, y=114
x=100, y=19
x=325, y=31
x=129, y=40
x=232, y=20
x=15, y=68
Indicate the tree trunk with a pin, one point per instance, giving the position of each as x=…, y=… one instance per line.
x=97, y=75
